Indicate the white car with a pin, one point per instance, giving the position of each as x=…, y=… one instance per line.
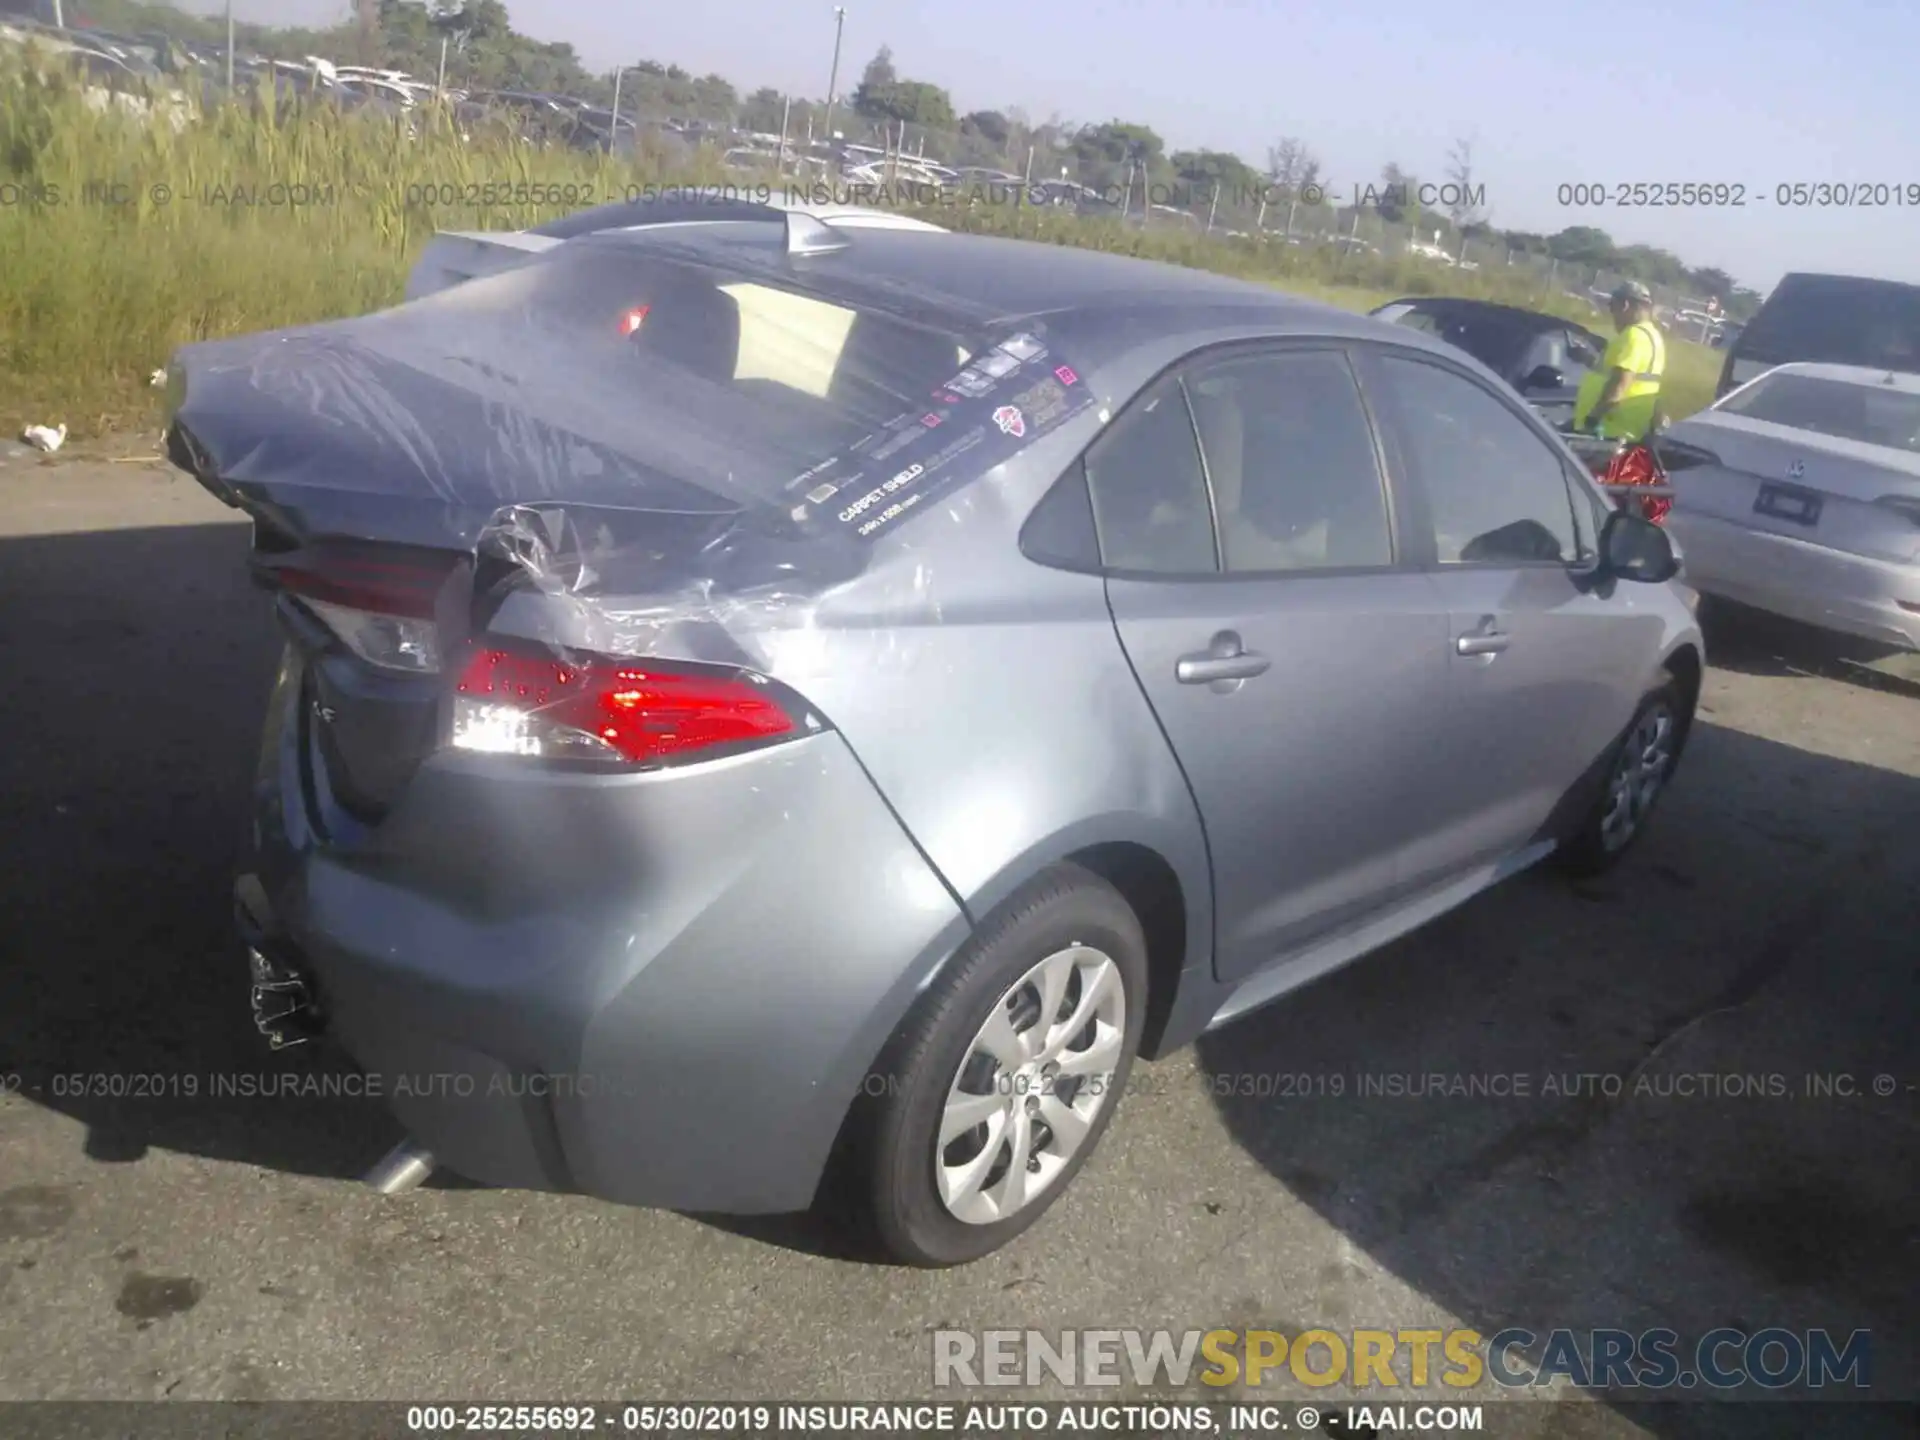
x=1799, y=494
x=456, y=255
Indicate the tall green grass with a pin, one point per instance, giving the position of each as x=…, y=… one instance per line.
x=123, y=236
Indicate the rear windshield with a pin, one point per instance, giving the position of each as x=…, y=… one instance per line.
x=700, y=372
x=1837, y=320
x=832, y=410
x=1872, y=415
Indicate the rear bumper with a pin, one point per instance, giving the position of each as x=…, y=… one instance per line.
x=1801, y=580
x=660, y=990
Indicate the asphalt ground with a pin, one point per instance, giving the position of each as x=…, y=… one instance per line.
x=1693, y=1132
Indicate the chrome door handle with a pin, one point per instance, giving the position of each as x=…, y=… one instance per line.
x=1489, y=642
x=1223, y=659
x=1205, y=669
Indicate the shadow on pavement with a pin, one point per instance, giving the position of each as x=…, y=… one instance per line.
x=141, y=664
x=1652, y=1100
x=1763, y=934
x=1755, y=643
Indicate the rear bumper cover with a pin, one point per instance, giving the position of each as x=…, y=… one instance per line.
x=661, y=990
x=1803, y=581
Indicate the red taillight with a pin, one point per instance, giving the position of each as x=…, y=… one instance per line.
x=382, y=587
x=605, y=709
x=381, y=610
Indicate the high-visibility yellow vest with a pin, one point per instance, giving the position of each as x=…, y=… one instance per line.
x=1641, y=351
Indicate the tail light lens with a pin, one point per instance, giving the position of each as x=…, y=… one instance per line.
x=383, y=613
x=1678, y=457
x=608, y=710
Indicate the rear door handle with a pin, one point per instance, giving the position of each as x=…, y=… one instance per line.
x=1224, y=659
x=1487, y=642
x=1205, y=669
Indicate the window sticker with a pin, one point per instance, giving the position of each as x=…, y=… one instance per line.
x=1008, y=397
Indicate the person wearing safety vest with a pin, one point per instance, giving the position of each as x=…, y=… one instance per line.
x=1619, y=398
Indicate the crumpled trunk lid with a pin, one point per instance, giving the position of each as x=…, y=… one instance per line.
x=379, y=460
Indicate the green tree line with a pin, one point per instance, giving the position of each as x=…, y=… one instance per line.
x=485, y=52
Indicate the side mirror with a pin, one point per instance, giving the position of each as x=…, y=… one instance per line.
x=1634, y=548
x=1544, y=377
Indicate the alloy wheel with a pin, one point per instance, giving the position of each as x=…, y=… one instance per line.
x=1035, y=1079
x=1638, y=775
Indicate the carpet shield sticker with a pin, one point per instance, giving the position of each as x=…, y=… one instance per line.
x=1002, y=401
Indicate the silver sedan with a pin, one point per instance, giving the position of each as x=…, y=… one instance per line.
x=772, y=701
x=1799, y=494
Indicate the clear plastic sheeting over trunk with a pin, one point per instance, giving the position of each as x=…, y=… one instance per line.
x=652, y=435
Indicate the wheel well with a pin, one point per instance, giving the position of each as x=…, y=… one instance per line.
x=1684, y=666
x=1148, y=884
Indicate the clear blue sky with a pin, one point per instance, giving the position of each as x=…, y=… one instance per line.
x=1713, y=91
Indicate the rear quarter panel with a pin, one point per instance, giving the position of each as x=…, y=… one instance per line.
x=988, y=697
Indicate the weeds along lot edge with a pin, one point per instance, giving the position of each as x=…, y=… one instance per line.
x=123, y=237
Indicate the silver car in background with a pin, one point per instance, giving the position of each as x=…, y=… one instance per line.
x=773, y=710
x=1799, y=494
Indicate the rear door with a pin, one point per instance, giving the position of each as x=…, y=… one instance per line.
x=1544, y=666
x=1295, y=665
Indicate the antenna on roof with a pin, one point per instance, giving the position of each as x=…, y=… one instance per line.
x=807, y=235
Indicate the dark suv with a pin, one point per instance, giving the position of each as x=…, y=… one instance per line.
x=1836, y=319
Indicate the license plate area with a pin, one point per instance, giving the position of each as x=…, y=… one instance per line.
x=1789, y=503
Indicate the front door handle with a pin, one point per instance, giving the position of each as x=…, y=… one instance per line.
x=1224, y=659
x=1487, y=642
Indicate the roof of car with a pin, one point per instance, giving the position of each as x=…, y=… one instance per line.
x=1823, y=275
x=972, y=275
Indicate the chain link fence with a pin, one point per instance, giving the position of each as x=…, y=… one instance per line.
x=810, y=150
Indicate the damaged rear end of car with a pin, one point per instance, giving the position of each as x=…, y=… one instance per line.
x=538, y=827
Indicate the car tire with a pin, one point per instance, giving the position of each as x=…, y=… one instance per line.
x=1068, y=932
x=1636, y=773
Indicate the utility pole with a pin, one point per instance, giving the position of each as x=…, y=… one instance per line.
x=59, y=20
x=229, y=47
x=833, y=75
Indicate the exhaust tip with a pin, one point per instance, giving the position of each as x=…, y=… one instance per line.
x=404, y=1168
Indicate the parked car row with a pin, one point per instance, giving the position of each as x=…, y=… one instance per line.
x=1797, y=492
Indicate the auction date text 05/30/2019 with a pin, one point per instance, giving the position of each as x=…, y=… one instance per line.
x=1732, y=195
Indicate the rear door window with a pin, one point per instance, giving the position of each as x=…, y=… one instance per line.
x=1290, y=455
x=1149, y=494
